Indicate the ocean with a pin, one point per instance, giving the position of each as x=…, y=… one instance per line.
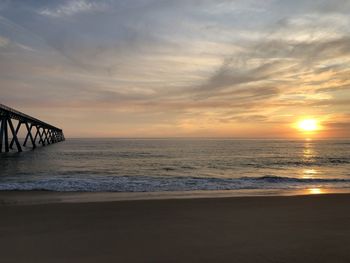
x=152, y=165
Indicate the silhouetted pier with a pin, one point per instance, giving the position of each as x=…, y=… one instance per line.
x=43, y=132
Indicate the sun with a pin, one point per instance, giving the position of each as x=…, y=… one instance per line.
x=308, y=125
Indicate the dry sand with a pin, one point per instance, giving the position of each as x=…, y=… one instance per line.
x=241, y=229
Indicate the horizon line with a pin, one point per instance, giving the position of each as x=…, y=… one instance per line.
x=215, y=138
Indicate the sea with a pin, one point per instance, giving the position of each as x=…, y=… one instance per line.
x=157, y=165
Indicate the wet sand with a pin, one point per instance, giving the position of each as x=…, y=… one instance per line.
x=314, y=228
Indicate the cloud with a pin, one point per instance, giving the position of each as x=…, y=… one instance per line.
x=4, y=41
x=72, y=7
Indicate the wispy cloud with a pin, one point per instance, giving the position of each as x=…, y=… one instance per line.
x=72, y=7
x=4, y=41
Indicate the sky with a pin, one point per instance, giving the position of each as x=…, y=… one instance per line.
x=178, y=68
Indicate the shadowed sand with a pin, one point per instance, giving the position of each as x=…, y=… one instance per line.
x=240, y=229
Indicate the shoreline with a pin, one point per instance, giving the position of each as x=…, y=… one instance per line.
x=50, y=197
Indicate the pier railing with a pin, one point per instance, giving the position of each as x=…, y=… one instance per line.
x=44, y=132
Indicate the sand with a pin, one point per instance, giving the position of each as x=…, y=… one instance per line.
x=314, y=228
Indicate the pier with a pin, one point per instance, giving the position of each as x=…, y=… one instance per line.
x=36, y=131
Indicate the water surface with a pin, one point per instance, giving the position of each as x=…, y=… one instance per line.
x=148, y=165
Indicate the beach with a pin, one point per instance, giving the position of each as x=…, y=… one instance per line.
x=308, y=228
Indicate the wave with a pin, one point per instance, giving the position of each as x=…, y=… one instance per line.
x=279, y=179
x=154, y=184
x=313, y=161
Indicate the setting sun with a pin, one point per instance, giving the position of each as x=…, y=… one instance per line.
x=308, y=125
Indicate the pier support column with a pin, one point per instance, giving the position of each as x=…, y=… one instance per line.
x=54, y=136
x=29, y=135
x=6, y=136
x=49, y=136
x=14, y=136
x=46, y=137
x=41, y=134
x=36, y=134
x=51, y=139
x=16, y=132
x=1, y=132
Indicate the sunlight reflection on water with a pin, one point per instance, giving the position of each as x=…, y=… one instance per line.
x=309, y=173
x=316, y=191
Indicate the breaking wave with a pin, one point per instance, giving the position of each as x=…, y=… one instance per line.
x=154, y=184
